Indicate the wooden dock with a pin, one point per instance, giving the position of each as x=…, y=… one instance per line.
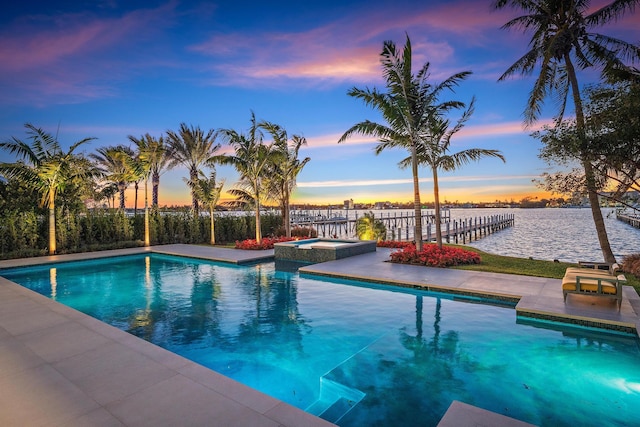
x=401, y=225
x=631, y=219
x=470, y=229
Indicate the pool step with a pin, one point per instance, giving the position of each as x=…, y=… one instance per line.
x=335, y=401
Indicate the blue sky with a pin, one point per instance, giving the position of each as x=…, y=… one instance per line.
x=108, y=69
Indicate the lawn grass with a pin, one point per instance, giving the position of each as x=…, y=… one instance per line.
x=526, y=267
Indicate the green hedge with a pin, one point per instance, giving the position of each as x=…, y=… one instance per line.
x=24, y=234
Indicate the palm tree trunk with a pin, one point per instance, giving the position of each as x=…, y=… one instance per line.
x=436, y=198
x=155, y=180
x=589, y=174
x=213, y=230
x=258, y=225
x=596, y=213
x=147, y=237
x=285, y=213
x=135, y=200
x=417, y=207
x=122, y=187
x=52, y=224
x=193, y=176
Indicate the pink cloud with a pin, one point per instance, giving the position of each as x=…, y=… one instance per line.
x=498, y=129
x=348, y=49
x=470, y=131
x=331, y=140
x=341, y=50
x=468, y=19
x=65, y=56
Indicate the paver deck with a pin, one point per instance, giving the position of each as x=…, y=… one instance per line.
x=61, y=367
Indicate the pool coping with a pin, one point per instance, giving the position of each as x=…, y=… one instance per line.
x=226, y=255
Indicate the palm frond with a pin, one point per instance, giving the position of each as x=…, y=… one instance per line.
x=368, y=128
x=461, y=158
x=611, y=12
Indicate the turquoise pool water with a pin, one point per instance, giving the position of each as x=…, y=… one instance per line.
x=355, y=353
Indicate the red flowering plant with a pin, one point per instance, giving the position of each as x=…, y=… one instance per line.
x=433, y=256
x=394, y=244
x=267, y=243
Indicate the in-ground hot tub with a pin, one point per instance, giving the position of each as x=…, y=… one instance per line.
x=312, y=251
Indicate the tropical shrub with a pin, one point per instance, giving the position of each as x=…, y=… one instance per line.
x=394, y=244
x=433, y=256
x=266, y=243
x=631, y=264
x=370, y=228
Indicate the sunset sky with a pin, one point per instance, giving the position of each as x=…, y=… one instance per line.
x=108, y=69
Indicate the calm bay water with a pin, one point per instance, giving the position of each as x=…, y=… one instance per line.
x=563, y=234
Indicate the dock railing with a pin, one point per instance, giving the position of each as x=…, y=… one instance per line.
x=631, y=219
x=401, y=225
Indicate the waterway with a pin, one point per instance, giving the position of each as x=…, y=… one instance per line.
x=564, y=234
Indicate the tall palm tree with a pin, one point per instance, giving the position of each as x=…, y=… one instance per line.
x=286, y=168
x=193, y=148
x=45, y=167
x=408, y=106
x=561, y=43
x=251, y=159
x=151, y=151
x=208, y=191
x=118, y=166
x=434, y=152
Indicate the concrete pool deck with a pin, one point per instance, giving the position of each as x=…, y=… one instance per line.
x=61, y=367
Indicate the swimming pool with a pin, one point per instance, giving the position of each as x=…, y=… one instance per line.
x=357, y=353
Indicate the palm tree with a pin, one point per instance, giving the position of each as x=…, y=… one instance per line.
x=434, y=152
x=117, y=165
x=194, y=149
x=370, y=228
x=150, y=153
x=45, y=167
x=107, y=191
x=561, y=41
x=159, y=164
x=408, y=107
x=252, y=159
x=286, y=167
x=208, y=191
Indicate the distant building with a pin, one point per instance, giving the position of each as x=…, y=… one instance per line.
x=348, y=204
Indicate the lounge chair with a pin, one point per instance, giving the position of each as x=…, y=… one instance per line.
x=594, y=281
x=595, y=267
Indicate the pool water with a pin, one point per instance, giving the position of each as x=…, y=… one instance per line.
x=356, y=354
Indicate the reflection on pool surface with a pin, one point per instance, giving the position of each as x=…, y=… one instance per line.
x=352, y=352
